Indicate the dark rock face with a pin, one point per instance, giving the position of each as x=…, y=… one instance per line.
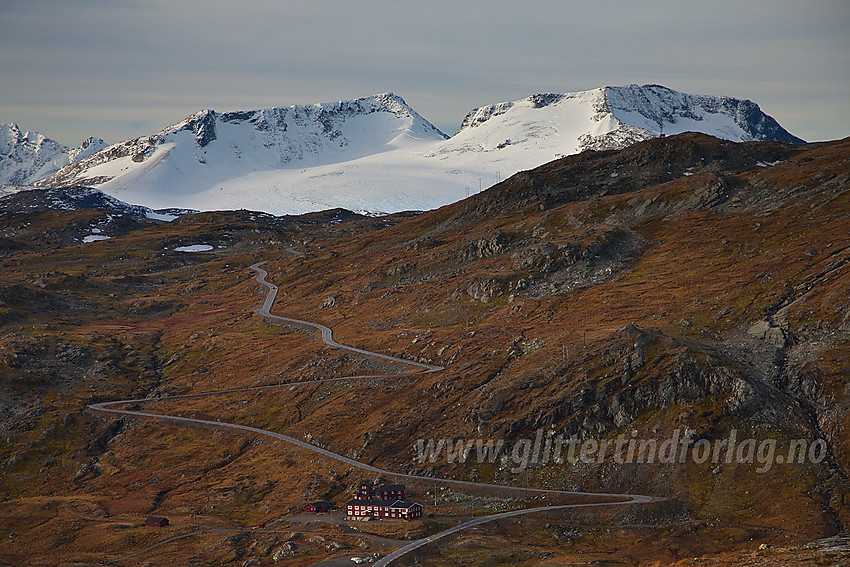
x=661, y=105
x=544, y=99
x=203, y=126
x=758, y=124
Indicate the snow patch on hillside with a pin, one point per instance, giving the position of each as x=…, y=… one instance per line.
x=94, y=238
x=194, y=248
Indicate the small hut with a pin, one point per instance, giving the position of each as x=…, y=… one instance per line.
x=318, y=507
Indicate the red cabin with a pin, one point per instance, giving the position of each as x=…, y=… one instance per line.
x=156, y=522
x=318, y=507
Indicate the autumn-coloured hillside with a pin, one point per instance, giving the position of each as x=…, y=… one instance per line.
x=683, y=285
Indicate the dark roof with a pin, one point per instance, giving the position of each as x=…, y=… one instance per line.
x=320, y=504
x=156, y=519
x=391, y=487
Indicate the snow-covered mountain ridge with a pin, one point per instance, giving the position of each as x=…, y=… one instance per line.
x=618, y=116
x=249, y=141
x=26, y=157
x=376, y=154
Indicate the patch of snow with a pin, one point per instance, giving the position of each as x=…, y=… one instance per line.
x=194, y=248
x=94, y=238
x=151, y=214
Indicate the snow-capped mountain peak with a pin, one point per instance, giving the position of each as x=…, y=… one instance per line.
x=26, y=157
x=328, y=116
x=214, y=146
x=377, y=154
x=659, y=109
x=612, y=117
x=89, y=147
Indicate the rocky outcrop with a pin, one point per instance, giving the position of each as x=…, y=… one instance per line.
x=138, y=149
x=202, y=125
x=486, y=247
x=769, y=333
x=485, y=289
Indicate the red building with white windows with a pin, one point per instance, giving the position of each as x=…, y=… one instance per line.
x=385, y=502
x=383, y=510
x=364, y=491
x=368, y=491
x=390, y=492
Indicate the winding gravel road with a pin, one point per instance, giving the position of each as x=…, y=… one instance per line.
x=327, y=337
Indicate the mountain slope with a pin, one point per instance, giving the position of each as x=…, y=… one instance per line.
x=26, y=157
x=376, y=154
x=711, y=300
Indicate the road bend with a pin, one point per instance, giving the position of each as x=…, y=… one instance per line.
x=326, y=335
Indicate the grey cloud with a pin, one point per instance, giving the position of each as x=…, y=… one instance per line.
x=73, y=69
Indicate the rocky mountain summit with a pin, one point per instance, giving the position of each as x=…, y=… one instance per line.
x=27, y=157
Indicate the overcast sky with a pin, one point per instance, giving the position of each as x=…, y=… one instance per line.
x=122, y=68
